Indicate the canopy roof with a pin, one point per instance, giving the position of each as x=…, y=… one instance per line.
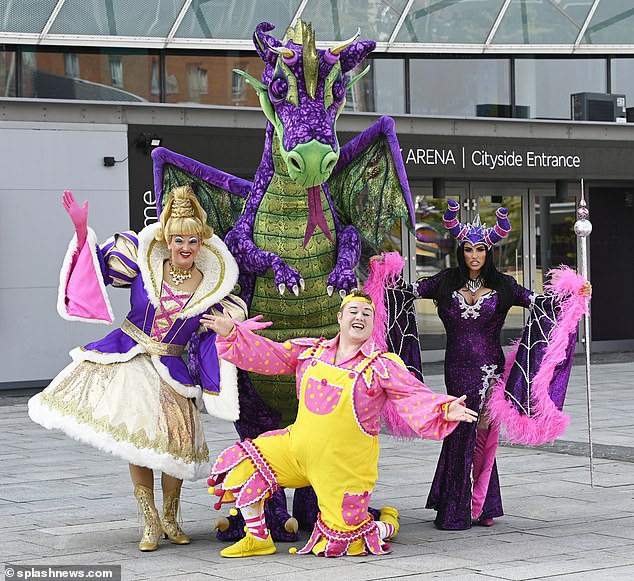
x=411, y=26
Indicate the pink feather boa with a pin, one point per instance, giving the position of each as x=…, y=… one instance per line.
x=546, y=422
x=384, y=274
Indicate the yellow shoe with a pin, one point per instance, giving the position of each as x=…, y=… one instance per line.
x=390, y=516
x=249, y=546
x=291, y=525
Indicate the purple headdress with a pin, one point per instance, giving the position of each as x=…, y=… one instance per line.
x=476, y=233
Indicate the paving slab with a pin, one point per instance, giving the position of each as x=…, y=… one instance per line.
x=65, y=503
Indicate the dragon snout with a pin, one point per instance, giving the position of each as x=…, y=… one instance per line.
x=295, y=162
x=310, y=164
x=329, y=162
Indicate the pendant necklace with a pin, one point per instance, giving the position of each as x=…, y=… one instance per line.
x=180, y=275
x=474, y=284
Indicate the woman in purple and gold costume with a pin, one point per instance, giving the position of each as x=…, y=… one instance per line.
x=131, y=393
x=473, y=300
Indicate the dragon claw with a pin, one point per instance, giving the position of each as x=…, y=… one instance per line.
x=295, y=290
x=281, y=288
x=330, y=289
x=302, y=284
x=342, y=293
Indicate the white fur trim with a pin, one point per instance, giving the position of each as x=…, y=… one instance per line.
x=91, y=239
x=213, y=256
x=52, y=419
x=180, y=388
x=225, y=405
x=80, y=354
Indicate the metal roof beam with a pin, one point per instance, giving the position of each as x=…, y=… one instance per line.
x=50, y=20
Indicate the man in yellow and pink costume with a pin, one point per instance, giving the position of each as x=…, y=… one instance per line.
x=343, y=384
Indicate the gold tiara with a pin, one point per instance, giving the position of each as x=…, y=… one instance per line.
x=353, y=297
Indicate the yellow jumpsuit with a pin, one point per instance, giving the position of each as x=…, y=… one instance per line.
x=333, y=443
x=325, y=448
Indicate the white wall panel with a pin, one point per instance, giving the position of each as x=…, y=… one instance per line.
x=37, y=162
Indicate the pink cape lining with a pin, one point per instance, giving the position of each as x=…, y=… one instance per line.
x=84, y=293
x=546, y=422
x=383, y=274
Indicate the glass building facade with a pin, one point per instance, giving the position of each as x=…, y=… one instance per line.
x=459, y=59
x=491, y=58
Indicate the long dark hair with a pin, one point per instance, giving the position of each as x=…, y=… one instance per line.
x=455, y=278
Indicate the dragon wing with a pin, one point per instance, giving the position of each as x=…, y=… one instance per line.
x=222, y=195
x=369, y=186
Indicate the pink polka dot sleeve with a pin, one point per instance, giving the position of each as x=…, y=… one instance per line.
x=420, y=407
x=252, y=352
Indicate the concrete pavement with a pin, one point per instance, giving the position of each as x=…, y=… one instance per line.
x=65, y=503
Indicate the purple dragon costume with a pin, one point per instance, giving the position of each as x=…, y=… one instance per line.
x=296, y=231
x=525, y=393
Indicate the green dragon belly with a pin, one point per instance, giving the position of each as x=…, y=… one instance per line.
x=279, y=227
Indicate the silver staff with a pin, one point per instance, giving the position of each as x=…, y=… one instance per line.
x=583, y=228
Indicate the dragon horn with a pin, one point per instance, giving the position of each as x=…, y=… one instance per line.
x=501, y=229
x=264, y=43
x=287, y=53
x=338, y=48
x=455, y=227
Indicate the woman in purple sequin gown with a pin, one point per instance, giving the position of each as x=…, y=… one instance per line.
x=473, y=300
x=473, y=360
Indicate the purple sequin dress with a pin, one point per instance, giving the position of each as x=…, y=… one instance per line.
x=473, y=357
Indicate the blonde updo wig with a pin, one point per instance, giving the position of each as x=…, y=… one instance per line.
x=183, y=214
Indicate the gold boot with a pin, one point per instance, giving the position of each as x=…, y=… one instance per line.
x=152, y=529
x=171, y=528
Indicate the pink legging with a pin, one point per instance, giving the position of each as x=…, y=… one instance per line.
x=483, y=458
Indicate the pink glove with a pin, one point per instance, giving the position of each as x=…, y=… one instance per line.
x=78, y=215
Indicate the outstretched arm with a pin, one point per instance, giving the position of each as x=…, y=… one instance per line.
x=89, y=267
x=458, y=412
x=409, y=401
x=238, y=344
x=79, y=216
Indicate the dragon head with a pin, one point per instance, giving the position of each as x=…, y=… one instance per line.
x=302, y=93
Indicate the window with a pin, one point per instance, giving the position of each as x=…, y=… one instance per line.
x=116, y=71
x=210, y=79
x=545, y=85
x=155, y=88
x=7, y=73
x=238, y=87
x=88, y=76
x=197, y=83
x=460, y=87
x=623, y=78
x=71, y=65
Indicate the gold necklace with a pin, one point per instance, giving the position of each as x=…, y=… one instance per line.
x=180, y=275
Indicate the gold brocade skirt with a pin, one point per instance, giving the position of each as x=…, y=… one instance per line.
x=126, y=409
